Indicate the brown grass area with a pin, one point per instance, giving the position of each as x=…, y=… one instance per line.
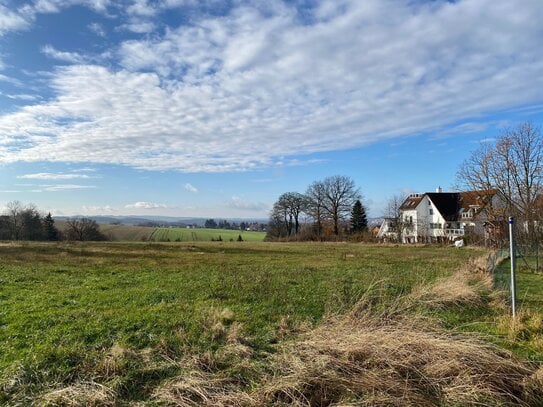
x=462, y=288
x=88, y=394
x=369, y=361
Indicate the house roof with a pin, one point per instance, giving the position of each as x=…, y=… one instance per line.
x=447, y=203
x=469, y=199
x=411, y=202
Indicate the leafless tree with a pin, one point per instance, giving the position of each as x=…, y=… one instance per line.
x=340, y=196
x=393, y=215
x=514, y=167
x=316, y=194
x=14, y=210
x=83, y=229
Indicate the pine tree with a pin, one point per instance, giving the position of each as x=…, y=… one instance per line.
x=51, y=231
x=359, y=220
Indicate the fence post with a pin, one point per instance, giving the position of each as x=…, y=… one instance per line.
x=513, y=266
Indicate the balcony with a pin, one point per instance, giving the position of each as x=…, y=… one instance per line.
x=454, y=232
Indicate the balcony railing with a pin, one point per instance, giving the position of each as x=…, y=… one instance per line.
x=454, y=232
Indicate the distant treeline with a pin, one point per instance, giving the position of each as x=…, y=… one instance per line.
x=20, y=222
x=224, y=224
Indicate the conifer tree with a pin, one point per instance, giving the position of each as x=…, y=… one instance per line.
x=51, y=231
x=359, y=220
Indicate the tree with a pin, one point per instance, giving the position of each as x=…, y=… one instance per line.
x=315, y=196
x=289, y=206
x=285, y=215
x=210, y=224
x=514, y=167
x=340, y=195
x=14, y=209
x=50, y=230
x=31, y=224
x=393, y=215
x=359, y=220
x=83, y=229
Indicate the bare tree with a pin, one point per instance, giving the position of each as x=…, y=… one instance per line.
x=83, y=229
x=14, y=209
x=316, y=194
x=514, y=167
x=393, y=215
x=340, y=196
x=291, y=205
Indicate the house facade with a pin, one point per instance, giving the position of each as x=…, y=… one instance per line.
x=443, y=216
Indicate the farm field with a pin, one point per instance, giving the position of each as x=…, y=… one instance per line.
x=130, y=233
x=127, y=233
x=204, y=235
x=120, y=323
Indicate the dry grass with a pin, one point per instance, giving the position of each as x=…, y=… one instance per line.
x=87, y=394
x=374, y=362
x=203, y=389
x=462, y=288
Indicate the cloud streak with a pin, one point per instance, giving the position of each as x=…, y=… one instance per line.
x=264, y=82
x=145, y=205
x=49, y=176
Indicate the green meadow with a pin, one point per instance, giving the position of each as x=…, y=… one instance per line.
x=113, y=323
x=204, y=235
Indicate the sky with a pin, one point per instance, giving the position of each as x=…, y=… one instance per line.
x=214, y=108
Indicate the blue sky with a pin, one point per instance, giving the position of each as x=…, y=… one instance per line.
x=214, y=108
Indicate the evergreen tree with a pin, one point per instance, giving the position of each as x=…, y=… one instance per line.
x=359, y=220
x=49, y=228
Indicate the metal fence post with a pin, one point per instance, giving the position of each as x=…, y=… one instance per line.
x=513, y=267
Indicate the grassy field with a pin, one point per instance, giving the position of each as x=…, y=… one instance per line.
x=121, y=321
x=127, y=233
x=130, y=233
x=529, y=284
x=204, y=235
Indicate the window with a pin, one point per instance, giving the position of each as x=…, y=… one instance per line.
x=431, y=211
x=435, y=225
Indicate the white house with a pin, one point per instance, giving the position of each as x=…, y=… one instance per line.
x=438, y=216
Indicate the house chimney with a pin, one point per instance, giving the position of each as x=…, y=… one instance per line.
x=438, y=190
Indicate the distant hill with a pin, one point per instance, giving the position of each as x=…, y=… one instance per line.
x=157, y=220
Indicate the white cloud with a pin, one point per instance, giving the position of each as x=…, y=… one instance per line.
x=242, y=91
x=11, y=21
x=54, y=6
x=141, y=8
x=71, y=57
x=46, y=175
x=97, y=29
x=191, y=188
x=91, y=209
x=145, y=205
x=24, y=97
x=139, y=27
x=65, y=187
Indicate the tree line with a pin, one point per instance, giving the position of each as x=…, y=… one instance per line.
x=224, y=224
x=20, y=222
x=329, y=208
